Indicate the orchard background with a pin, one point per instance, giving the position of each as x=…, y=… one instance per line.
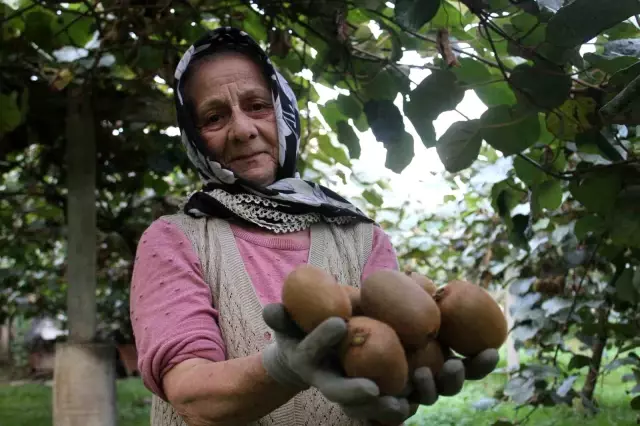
x=539, y=190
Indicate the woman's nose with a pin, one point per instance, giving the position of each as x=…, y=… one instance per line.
x=243, y=128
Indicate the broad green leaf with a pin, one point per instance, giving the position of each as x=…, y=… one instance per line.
x=400, y=153
x=11, y=116
x=334, y=152
x=623, y=77
x=635, y=403
x=38, y=28
x=361, y=123
x=571, y=118
x=331, y=113
x=472, y=72
x=610, y=65
x=581, y=20
x=625, y=290
x=348, y=138
x=539, y=86
x=547, y=195
x=413, y=14
x=597, y=191
x=589, y=225
x=605, y=146
x=437, y=93
x=625, y=227
x=385, y=85
x=509, y=129
x=70, y=29
x=527, y=172
x=578, y=362
x=349, y=106
x=498, y=93
x=622, y=30
x=460, y=145
x=385, y=121
x=447, y=17
x=372, y=197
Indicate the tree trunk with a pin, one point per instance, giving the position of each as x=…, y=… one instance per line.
x=84, y=375
x=6, y=358
x=599, y=343
x=513, y=358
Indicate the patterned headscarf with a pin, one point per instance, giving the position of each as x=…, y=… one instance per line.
x=290, y=203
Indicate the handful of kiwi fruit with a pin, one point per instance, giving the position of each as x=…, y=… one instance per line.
x=396, y=322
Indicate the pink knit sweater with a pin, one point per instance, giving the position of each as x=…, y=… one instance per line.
x=171, y=307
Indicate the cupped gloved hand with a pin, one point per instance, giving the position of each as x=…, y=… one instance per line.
x=425, y=389
x=300, y=361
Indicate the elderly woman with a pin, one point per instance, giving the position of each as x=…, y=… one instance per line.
x=215, y=345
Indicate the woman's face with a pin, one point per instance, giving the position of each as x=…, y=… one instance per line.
x=235, y=115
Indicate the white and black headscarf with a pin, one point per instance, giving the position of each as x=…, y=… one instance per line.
x=290, y=203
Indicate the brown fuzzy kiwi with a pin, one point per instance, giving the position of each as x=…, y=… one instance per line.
x=472, y=320
x=371, y=349
x=429, y=355
x=311, y=295
x=395, y=299
x=354, y=297
x=428, y=285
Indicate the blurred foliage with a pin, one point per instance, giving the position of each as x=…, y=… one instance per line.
x=546, y=181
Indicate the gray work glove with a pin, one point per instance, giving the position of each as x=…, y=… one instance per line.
x=425, y=389
x=300, y=361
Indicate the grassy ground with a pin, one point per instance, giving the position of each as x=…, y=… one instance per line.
x=30, y=405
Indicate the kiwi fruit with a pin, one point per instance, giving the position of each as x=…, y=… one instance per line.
x=428, y=285
x=471, y=320
x=429, y=355
x=311, y=295
x=354, y=297
x=372, y=349
x=396, y=299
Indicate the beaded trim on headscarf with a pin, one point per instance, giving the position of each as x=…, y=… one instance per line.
x=290, y=203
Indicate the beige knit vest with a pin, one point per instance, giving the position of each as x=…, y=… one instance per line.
x=341, y=250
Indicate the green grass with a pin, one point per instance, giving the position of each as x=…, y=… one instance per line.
x=30, y=404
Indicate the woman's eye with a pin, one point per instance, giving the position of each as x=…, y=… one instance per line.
x=214, y=118
x=257, y=107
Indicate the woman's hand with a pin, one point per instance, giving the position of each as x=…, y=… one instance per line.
x=302, y=361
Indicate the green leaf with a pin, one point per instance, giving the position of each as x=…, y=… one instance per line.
x=400, y=154
x=598, y=191
x=547, y=195
x=38, y=28
x=571, y=118
x=527, y=172
x=625, y=227
x=460, y=145
x=348, y=138
x=610, y=65
x=413, y=14
x=447, y=17
x=385, y=85
x=625, y=289
x=72, y=30
x=437, y=93
x=334, y=152
x=472, y=71
x=596, y=138
x=509, y=129
x=635, y=403
x=578, y=362
x=349, y=106
x=623, y=77
x=589, y=225
x=372, y=197
x=498, y=93
x=331, y=113
x=11, y=116
x=385, y=120
x=540, y=86
x=581, y=20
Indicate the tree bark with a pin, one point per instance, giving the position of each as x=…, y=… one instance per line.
x=81, y=218
x=596, y=359
x=84, y=372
